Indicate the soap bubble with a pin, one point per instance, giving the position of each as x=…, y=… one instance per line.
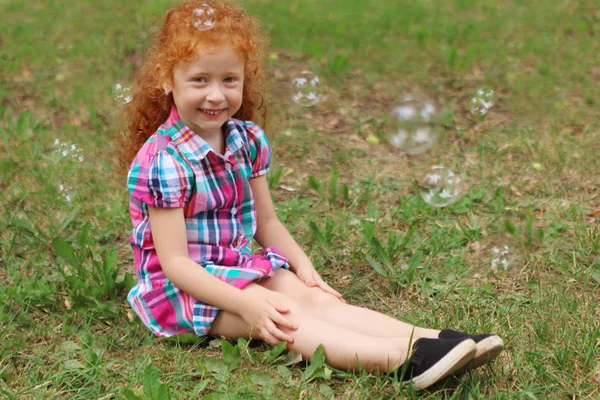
x=68, y=150
x=122, y=94
x=307, y=90
x=440, y=186
x=203, y=17
x=412, y=126
x=482, y=101
x=413, y=141
x=501, y=258
x=65, y=192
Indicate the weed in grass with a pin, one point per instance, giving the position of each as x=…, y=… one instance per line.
x=153, y=388
x=330, y=192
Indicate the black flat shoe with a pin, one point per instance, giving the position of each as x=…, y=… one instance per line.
x=489, y=346
x=435, y=359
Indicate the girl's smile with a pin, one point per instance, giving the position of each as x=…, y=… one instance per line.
x=213, y=113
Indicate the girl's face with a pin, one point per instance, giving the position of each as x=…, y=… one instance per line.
x=208, y=90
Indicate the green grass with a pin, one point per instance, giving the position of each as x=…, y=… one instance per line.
x=531, y=166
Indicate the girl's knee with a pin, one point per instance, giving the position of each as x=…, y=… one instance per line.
x=289, y=285
x=316, y=298
x=283, y=298
x=281, y=282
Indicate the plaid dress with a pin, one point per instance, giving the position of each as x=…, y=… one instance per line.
x=177, y=169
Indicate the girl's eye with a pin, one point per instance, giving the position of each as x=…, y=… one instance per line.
x=200, y=79
x=229, y=79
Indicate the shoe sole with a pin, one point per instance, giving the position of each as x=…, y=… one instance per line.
x=456, y=358
x=487, y=349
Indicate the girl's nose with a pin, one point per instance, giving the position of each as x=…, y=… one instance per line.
x=215, y=95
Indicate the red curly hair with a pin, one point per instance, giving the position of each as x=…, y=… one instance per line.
x=178, y=41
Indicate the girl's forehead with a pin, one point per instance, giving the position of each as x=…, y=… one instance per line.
x=214, y=57
x=223, y=51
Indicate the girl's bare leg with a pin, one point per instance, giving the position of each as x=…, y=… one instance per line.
x=329, y=308
x=343, y=348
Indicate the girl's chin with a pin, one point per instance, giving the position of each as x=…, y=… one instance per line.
x=209, y=128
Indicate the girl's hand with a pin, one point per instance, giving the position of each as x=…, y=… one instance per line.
x=309, y=275
x=263, y=313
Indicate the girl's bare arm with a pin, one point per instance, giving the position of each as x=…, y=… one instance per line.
x=270, y=231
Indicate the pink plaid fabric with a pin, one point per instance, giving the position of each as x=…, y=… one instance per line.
x=177, y=169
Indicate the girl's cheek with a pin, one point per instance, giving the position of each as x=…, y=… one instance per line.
x=193, y=95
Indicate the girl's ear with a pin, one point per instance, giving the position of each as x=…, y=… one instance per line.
x=167, y=85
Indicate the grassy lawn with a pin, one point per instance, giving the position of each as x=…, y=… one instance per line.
x=531, y=166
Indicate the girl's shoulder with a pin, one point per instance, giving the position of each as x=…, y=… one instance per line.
x=159, y=142
x=251, y=132
x=252, y=128
x=256, y=145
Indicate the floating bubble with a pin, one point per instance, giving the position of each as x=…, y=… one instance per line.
x=412, y=126
x=482, y=101
x=68, y=150
x=413, y=141
x=440, y=186
x=501, y=258
x=203, y=17
x=307, y=90
x=122, y=94
x=65, y=191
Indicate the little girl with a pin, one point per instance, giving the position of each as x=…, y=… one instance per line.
x=199, y=199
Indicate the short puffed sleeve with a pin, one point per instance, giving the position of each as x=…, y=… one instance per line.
x=161, y=178
x=260, y=149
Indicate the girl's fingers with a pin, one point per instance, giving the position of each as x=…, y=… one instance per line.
x=278, y=333
x=307, y=278
x=326, y=288
x=308, y=282
x=331, y=290
x=267, y=337
x=280, y=307
x=335, y=293
x=278, y=319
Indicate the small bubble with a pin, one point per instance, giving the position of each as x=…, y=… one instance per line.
x=427, y=111
x=440, y=186
x=68, y=150
x=307, y=89
x=501, y=258
x=122, y=94
x=64, y=191
x=204, y=18
x=482, y=101
x=412, y=127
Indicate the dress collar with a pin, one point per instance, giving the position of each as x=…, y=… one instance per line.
x=192, y=144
